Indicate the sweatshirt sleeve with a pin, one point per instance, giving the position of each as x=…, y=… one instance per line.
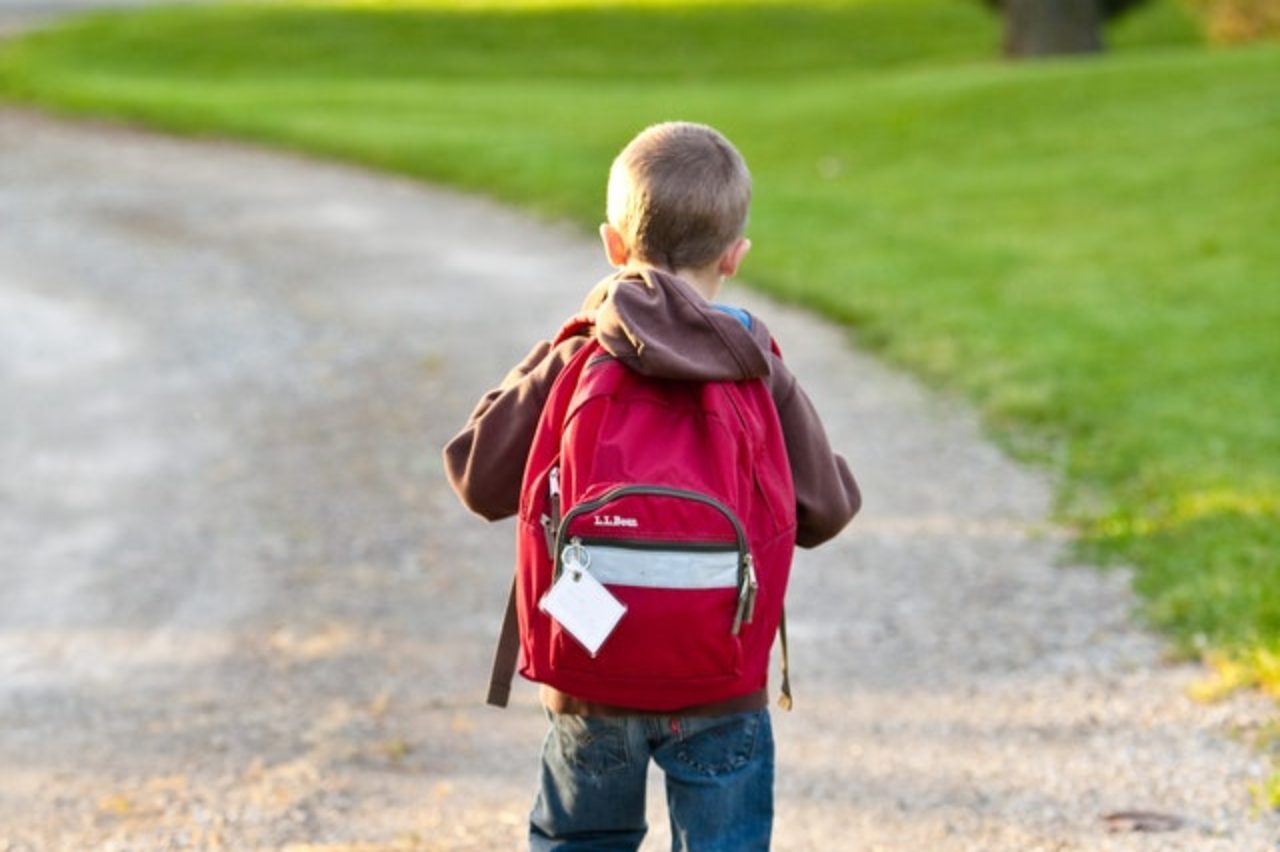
x=827, y=497
x=485, y=461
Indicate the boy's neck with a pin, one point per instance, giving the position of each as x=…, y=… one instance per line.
x=705, y=282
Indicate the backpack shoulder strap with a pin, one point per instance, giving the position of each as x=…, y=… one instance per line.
x=785, y=700
x=581, y=324
x=507, y=654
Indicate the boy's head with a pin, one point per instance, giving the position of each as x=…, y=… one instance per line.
x=678, y=199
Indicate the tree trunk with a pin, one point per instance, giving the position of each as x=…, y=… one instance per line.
x=1049, y=27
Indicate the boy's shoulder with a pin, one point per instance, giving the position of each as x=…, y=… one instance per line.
x=742, y=315
x=659, y=326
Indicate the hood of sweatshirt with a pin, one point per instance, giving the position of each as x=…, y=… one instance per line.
x=658, y=325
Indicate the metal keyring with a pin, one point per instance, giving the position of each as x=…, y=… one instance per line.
x=576, y=554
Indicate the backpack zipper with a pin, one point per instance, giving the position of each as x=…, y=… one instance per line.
x=746, y=597
x=696, y=546
x=551, y=522
x=747, y=582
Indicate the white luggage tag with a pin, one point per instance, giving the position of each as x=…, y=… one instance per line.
x=580, y=604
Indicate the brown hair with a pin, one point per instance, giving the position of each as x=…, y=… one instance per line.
x=679, y=194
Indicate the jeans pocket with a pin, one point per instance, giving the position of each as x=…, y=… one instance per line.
x=592, y=745
x=721, y=745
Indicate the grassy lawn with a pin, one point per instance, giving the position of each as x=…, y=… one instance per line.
x=1087, y=249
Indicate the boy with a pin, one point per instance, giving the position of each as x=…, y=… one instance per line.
x=677, y=205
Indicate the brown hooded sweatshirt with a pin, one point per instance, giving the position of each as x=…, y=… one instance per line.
x=659, y=326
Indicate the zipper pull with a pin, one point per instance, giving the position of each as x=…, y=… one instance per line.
x=549, y=533
x=740, y=613
x=551, y=522
x=575, y=558
x=746, y=596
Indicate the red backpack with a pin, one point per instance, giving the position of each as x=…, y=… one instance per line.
x=677, y=497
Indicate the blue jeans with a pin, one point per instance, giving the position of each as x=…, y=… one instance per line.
x=719, y=778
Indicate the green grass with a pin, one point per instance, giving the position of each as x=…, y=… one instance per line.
x=1086, y=248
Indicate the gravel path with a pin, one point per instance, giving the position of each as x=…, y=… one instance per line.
x=17, y=15
x=240, y=608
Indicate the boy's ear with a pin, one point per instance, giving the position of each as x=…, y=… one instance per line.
x=615, y=246
x=732, y=257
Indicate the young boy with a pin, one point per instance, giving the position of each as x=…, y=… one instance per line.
x=677, y=206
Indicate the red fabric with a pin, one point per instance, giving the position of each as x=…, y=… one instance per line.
x=605, y=426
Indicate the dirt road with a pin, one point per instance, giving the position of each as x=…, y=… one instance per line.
x=16, y=15
x=240, y=607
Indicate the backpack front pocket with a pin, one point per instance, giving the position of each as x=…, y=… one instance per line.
x=680, y=611
x=678, y=561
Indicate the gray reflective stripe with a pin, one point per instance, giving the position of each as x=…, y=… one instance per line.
x=664, y=569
